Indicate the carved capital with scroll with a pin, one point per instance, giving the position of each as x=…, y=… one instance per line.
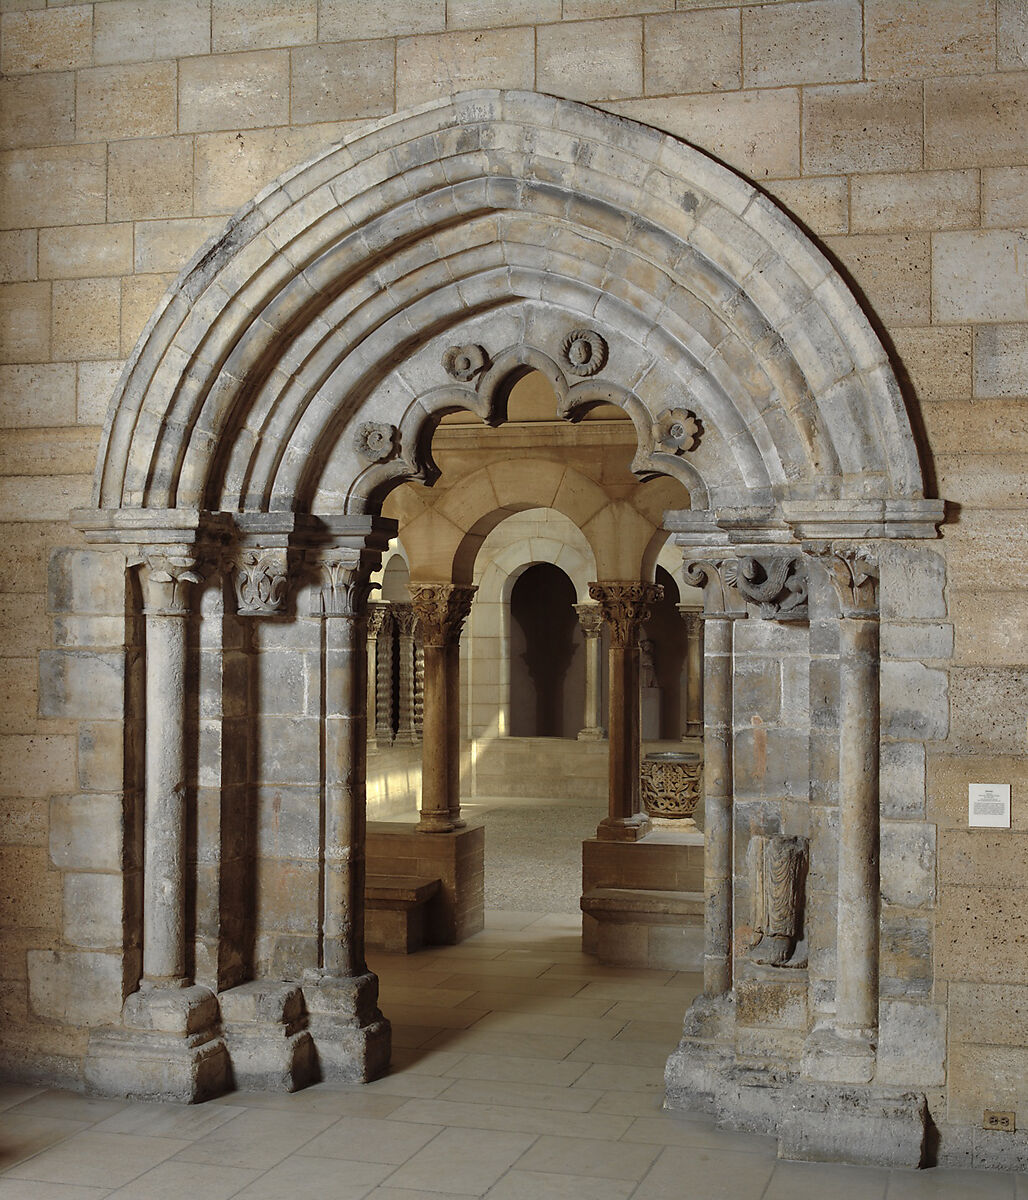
x=440, y=610
x=624, y=607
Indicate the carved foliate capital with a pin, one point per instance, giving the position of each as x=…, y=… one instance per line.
x=380, y=616
x=345, y=586
x=405, y=618
x=717, y=578
x=624, y=607
x=165, y=576
x=692, y=617
x=777, y=583
x=853, y=572
x=440, y=610
x=590, y=617
x=260, y=579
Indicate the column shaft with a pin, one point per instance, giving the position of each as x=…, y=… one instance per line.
x=384, y=693
x=591, y=621
x=717, y=794
x=435, y=775
x=693, y=673
x=405, y=730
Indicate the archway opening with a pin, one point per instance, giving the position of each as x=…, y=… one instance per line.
x=547, y=658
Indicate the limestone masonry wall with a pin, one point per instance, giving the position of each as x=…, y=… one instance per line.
x=895, y=131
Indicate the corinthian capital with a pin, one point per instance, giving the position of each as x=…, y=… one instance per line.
x=165, y=576
x=440, y=610
x=624, y=607
x=345, y=587
x=590, y=617
x=853, y=572
x=379, y=614
x=260, y=578
x=405, y=618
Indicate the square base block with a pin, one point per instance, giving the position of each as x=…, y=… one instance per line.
x=352, y=1039
x=266, y=1032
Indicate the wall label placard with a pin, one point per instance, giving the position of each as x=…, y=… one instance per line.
x=988, y=804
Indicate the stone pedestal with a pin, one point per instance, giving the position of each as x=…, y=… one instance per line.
x=351, y=1037
x=266, y=1031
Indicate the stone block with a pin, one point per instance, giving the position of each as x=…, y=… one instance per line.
x=1000, y=361
x=924, y=38
x=80, y=251
x=983, y=480
x=86, y=318
x=980, y=934
x=166, y=246
x=93, y=910
x=81, y=683
x=757, y=686
x=859, y=1125
x=337, y=19
x=151, y=178
x=949, y=775
x=288, y=822
x=902, y=779
x=915, y=702
x=822, y=205
x=928, y=200
x=24, y=322
x=30, y=892
x=692, y=52
x=75, y=988
x=40, y=395
x=52, y=39
x=86, y=581
x=968, y=427
x=756, y=132
x=862, y=127
x=912, y=583
x=24, y=550
x=906, y=954
x=290, y=750
x=911, y=1044
x=50, y=452
x=234, y=91
x=18, y=256
x=125, y=101
x=1012, y=35
x=908, y=864
x=19, y=695
x=133, y=31
x=936, y=361
x=992, y=628
x=95, y=382
x=968, y=857
x=87, y=832
x=1005, y=197
x=23, y=821
x=983, y=549
x=770, y=762
x=911, y=640
x=59, y=185
x=37, y=110
x=231, y=168
x=441, y=64
x=594, y=60
x=287, y=892
x=980, y=276
x=38, y=498
x=778, y=1004
x=260, y=24
x=892, y=272
x=139, y=297
x=975, y=122
x=341, y=82
x=820, y=42
x=24, y=628
x=989, y=1014
x=981, y=1077
x=103, y=755
x=491, y=14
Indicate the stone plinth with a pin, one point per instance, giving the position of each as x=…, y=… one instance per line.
x=352, y=1039
x=266, y=1031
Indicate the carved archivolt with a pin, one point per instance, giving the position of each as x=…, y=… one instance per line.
x=584, y=352
x=779, y=874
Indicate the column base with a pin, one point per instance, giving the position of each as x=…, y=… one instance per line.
x=592, y=734
x=693, y=729
x=168, y=1047
x=830, y=1056
x=406, y=737
x=623, y=829
x=435, y=822
x=270, y=1046
x=352, y=1039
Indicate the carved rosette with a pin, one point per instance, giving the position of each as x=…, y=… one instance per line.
x=671, y=787
x=779, y=867
x=716, y=577
x=440, y=610
x=260, y=579
x=624, y=607
x=777, y=583
x=375, y=441
x=165, y=578
x=463, y=363
x=590, y=617
x=583, y=352
x=853, y=572
x=676, y=431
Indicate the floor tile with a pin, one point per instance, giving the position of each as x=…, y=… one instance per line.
x=98, y=1159
x=258, y=1139
x=605, y=1078
x=631, y=1054
x=630, y=1104
x=523, y=1120
x=304, y=1178
x=521, y=1095
x=391, y=995
x=513, y=984
x=17, y=1093
x=710, y=1176
x=452, y=1017
x=950, y=1185
x=462, y=1161
x=424, y=1062
x=826, y=1181
x=588, y=1156
x=70, y=1106
x=27, y=1189
x=23, y=1136
x=670, y=1129
x=663, y=1033
x=175, y=1179
x=185, y=1121
x=365, y=1139
x=554, y=1006
x=534, y=1185
x=509, y=1045
x=517, y=1070
x=580, y=1027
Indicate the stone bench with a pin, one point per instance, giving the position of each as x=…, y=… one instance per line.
x=395, y=909
x=641, y=927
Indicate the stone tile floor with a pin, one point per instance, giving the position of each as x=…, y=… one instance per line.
x=522, y=1071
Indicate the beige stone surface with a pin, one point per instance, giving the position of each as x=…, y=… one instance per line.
x=989, y=1014
x=578, y=9
x=342, y=82
x=132, y=101
x=992, y=627
x=1004, y=197
x=36, y=765
x=337, y=19
x=234, y=91
x=822, y=205
x=862, y=127
x=1011, y=35
x=976, y=121
x=151, y=178
x=48, y=452
x=441, y=64
x=80, y=251
x=29, y=888
x=24, y=322
x=492, y=14
x=37, y=110
x=23, y=622
x=139, y=297
x=60, y=185
x=937, y=361
x=925, y=38
x=19, y=696
x=755, y=132
x=18, y=249
x=816, y=42
x=86, y=318
x=37, y=395
x=129, y=31
x=1000, y=361
x=980, y=934
x=968, y=427
x=930, y=200
x=980, y=276
x=986, y=1076
x=256, y=24
x=94, y=388
x=31, y=498
x=590, y=60
x=24, y=822
x=692, y=52
x=948, y=777
x=892, y=271
x=163, y=246
x=965, y=857
x=52, y=39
